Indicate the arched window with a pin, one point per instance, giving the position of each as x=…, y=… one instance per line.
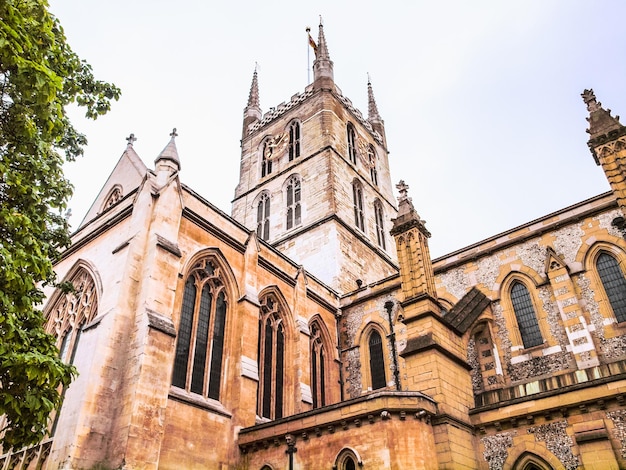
x=379, y=218
x=525, y=315
x=294, y=140
x=200, y=338
x=70, y=312
x=377, y=363
x=115, y=195
x=347, y=460
x=263, y=217
x=371, y=157
x=351, y=134
x=266, y=159
x=294, y=209
x=357, y=194
x=614, y=284
x=318, y=367
x=271, y=353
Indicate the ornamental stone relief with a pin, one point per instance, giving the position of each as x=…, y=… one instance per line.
x=496, y=449
x=557, y=441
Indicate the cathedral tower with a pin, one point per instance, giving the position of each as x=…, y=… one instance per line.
x=314, y=180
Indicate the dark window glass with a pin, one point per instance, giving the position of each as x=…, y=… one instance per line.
x=271, y=361
x=351, y=143
x=263, y=218
x=202, y=341
x=380, y=227
x=293, y=203
x=525, y=315
x=614, y=284
x=294, y=141
x=348, y=464
x=181, y=360
x=377, y=364
x=371, y=155
x=357, y=194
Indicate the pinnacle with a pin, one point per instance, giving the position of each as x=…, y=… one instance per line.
x=170, y=152
x=253, y=97
x=372, y=109
x=322, y=48
x=601, y=123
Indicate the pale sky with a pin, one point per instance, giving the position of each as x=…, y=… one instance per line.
x=481, y=99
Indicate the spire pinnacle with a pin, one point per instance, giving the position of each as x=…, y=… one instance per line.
x=253, y=97
x=170, y=152
x=131, y=139
x=372, y=109
x=322, y=66
x=407, y=215
x=602, y=126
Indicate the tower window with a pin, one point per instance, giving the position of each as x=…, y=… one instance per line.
x=271, y=353
x=380, y=221
x=371, y=156
x=377, y=364
x=200, y=344
x=266, y=159
x=294, y=208
x=614, y=284
x=294, y=140
x=263, y=217
x=357, y=194
x=351, y=143
x=525, y=315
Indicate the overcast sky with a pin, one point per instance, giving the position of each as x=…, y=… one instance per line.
x=481, y=99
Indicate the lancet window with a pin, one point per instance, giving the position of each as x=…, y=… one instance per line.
x=271, y=353
x=352, y=150
x=377, y=363
x=379, y=218
x=200, y=340
x=294, y=208
x=614, y=284
x=525, y=315
x=263, y=217
x=357, y=194
x=294, y=140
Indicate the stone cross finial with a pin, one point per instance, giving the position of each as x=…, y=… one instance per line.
x=173, y=133
x=403, y=188
x=589, y=98
x=131, y=139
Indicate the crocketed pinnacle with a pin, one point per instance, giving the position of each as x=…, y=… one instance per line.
x=253, y=98
x=372, y=109
x=170, y=152
x=322, y=48
x=600, y=120
x=407, y=215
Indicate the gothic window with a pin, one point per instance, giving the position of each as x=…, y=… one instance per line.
x=263, y=217
x=371, y=157
x=614, y=284
x=294, y=140
x=115, y=195
x=318, y=367
x=357, y=194
x=266, y=159
x=200, y=339
x=380, y=224
x=294, y=208
x=377, y=363
x=70, y=312
x=351, y=143
x=525, y=315
x=347, y=460
x=271, y=353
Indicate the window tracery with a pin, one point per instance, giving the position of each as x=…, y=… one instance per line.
x=271, y=353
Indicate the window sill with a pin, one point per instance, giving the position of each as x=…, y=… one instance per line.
x=198, y=401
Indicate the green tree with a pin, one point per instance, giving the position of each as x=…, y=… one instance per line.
x=39, y=76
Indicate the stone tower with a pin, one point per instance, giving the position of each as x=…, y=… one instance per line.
x=314, y=181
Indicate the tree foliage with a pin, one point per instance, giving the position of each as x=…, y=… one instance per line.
x=39, y=76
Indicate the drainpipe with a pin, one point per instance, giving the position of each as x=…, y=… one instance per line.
x=340, y=364
x=392, y=336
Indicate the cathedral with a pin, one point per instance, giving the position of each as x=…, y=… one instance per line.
x=311, y=329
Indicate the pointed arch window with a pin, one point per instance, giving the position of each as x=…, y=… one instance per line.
x=266, y=159
x=377, y=363
x=200, y=339
x=271, y=353
x=371, y=157
x=294, y=140
x=614, y=284
x=357, y=194
x=263, y=217
x=70, y=312
x=351, y=135
x=294, y=208
x=379, y=218
x=318, y=367
x=525, y=315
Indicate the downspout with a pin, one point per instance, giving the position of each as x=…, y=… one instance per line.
x=340, y=363
x=392, y=337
